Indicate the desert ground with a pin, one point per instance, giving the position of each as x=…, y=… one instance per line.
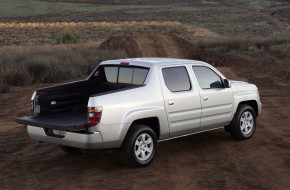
x=245, y=40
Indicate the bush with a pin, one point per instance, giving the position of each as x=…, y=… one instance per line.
x=59, y=73
x=18, y=77
x=38, y=71
x=67, y=36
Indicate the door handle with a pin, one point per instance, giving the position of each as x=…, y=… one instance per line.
x=170, y=103
x=205, y=98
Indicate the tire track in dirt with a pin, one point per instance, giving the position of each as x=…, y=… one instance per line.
x=150, y=46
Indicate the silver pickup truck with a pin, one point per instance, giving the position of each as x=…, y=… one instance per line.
x=131, y=104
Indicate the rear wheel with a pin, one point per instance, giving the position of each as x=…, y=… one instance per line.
x=244, y=123
x=139, y=147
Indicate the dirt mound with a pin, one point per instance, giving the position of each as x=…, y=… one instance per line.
x=150, y=46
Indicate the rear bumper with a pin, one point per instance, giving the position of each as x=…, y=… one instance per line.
x=79, y=140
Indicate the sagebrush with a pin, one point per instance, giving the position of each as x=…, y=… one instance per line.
x=68, y=35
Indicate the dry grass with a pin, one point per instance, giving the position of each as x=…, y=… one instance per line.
x=229, y=45
x=20, y=66
x=40, y=33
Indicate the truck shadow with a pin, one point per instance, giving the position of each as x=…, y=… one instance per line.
x=108, y=160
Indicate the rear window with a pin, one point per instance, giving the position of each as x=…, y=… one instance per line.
x=122, y=74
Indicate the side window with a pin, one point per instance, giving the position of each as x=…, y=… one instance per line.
x=176, y=79
x=207, y=78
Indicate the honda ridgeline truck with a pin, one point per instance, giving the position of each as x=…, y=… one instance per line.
x=131, y=104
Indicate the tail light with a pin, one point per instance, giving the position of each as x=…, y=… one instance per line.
x=94, y=115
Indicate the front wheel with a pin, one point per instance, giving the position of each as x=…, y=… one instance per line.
x=244, y=123
x=139, y=147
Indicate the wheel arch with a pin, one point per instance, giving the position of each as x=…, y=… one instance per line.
x=252, y=103
x=152, y=122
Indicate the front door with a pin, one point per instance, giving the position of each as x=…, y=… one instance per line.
x=216, y=100
x=181, y=99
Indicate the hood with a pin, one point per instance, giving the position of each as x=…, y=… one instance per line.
x=237, y=81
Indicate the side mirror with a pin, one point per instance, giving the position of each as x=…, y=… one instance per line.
x=227, y=83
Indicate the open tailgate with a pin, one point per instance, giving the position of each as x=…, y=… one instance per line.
x=63, y=121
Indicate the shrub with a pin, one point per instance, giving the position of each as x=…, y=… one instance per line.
x=18, y=77
x=253, y=48
x=58, y=72
x=67, y=36
x=38, y=71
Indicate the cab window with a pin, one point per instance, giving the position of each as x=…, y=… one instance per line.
x=207, y=78
x=176, y=79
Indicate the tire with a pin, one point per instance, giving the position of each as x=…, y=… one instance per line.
x=243, y=125
x=139, y=146
x=70, y=150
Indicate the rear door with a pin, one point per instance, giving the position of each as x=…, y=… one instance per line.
x=216, y=100
x=182, y=100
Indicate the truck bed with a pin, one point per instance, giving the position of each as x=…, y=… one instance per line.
x=64, y=107
x=73, y=96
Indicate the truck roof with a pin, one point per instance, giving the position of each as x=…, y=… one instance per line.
x=150, y=61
